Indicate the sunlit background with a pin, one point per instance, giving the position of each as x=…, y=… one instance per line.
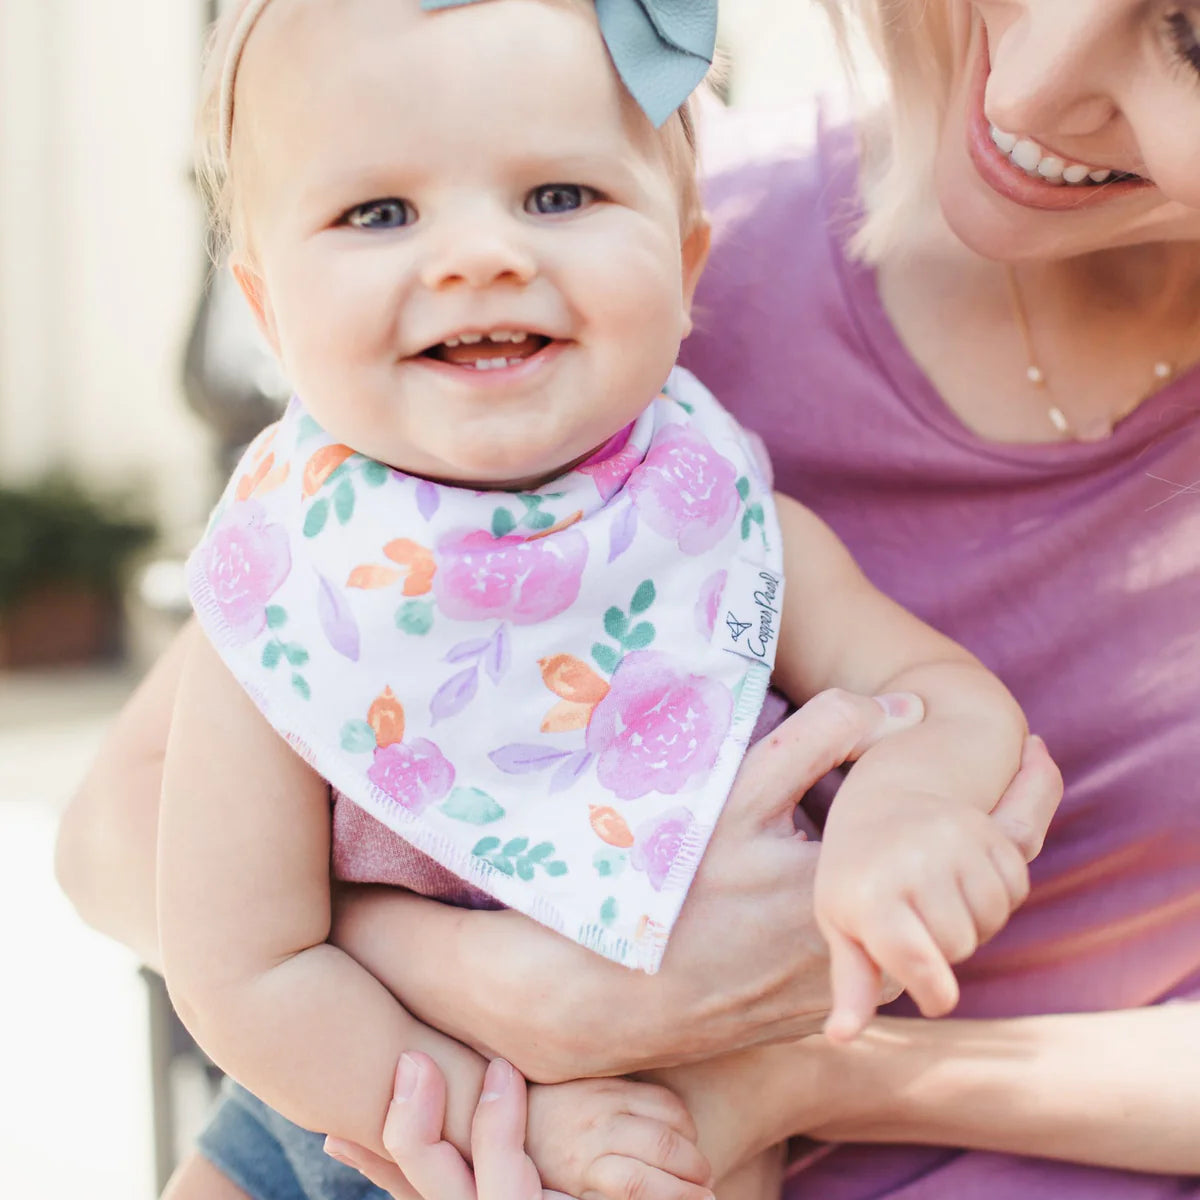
x=102, y=266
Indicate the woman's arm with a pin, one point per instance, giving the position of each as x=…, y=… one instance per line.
x=105, y=854
x=1116, y=1089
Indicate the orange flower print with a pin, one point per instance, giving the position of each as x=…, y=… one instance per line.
x=610, y=827
x=420, y=562
x=386, y=717
x=573, y=679
x=322, y=465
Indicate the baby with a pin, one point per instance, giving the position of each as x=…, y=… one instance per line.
x=502, y=577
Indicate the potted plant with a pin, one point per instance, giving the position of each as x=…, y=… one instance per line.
x=63, y=555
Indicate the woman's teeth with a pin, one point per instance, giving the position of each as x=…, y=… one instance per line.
x=1033, y=160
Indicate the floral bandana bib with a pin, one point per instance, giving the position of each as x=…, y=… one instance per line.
x=549, y=693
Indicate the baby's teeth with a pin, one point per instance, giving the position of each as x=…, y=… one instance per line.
x=1099, y=176
x=452, y=342
x=1051, y=168
x=1075, y=173
x=1005, y=141
x=500, y=335
x=471, y=339
x=518, y=338
x=1027, y=154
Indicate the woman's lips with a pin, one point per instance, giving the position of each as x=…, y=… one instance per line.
x=1042, y=184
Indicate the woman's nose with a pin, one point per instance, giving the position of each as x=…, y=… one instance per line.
x=1054, y=69
x=478, y=250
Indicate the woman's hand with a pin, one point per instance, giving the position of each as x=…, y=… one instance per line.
x=559, y=1012
x=586, y=1127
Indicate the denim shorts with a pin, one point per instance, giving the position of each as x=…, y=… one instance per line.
x=271, y=1159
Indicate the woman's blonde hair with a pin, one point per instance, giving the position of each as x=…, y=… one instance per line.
x=216, y=169
x=914, y=42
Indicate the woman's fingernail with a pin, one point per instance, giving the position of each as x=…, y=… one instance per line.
x=496, y=1081
x=900, y=704
x=406, y=1078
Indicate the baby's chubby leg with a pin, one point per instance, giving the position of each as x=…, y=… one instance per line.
x=197, y=1179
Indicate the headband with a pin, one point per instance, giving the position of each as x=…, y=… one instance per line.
x=662, y=50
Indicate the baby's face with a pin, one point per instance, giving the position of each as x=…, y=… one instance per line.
x=464, y=237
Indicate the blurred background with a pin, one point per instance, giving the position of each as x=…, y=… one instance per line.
x=125, y=383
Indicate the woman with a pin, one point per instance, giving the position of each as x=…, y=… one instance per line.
x=997, y=409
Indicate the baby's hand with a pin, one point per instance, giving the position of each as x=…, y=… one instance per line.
x=613, y=1138
x=907, y=887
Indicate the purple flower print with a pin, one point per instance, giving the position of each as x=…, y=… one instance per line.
x=657, y=727
x=246, y=561
x=656, y=844
x=481, y=577
x=708, y=603
x=686, y=491
x=415, y=774
x=612, y=464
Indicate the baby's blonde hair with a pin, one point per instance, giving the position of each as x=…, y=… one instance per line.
x=913, y=41
x=216, y=164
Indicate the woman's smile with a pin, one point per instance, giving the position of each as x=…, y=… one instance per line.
x=1022, y=170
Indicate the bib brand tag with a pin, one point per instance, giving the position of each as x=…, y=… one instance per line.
x=748, y=624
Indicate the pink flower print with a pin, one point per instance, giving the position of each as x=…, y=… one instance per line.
x=246, y=561
x=708, y=603
x=658, y=727
x=656, y=844
x=481, y=577
x=612, y=464
x=415, y=774
x=686, y=491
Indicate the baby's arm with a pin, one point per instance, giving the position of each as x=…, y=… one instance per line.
x=912, y=876
x=244, y=912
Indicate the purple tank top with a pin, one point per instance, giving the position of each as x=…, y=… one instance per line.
x=1072, y=570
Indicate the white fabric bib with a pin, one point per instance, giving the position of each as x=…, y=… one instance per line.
x=549, y=693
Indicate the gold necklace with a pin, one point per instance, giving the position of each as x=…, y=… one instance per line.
x=1099, y=428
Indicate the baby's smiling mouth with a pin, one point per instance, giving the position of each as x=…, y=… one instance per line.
x=492, y=351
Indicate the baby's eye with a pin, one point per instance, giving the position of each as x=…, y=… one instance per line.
x=381, y=214
x=555, y=198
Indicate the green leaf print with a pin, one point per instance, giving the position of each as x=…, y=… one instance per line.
x=502, y=523
x=610, y=862
x=472, y=806
x=343, y=501
x=276, y=617
x=300, y=684
x=374, y=473
x=639, y=637
x=540, y=851
x=358, y=737
x=610, y=910
x=643, y=597
x=296, y=655
x=308, y=429
x=538, y=521
x=415, y=617
x=317, y=516
x=486, y=846
x=272, y=655
x=515, y=847
x=606, y=658
x=616, y=623
x=556, y=868
x=747, y=525
x=525, y=870
x=743, y=488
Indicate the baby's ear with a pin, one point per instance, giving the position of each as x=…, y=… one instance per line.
x=254, y=288
x=696, y=245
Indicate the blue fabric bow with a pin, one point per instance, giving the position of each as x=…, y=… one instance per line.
x=662, y=49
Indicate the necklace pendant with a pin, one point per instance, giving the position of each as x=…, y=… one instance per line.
x=1059, y=420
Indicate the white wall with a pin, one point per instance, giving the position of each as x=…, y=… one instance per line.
x=100, y=251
